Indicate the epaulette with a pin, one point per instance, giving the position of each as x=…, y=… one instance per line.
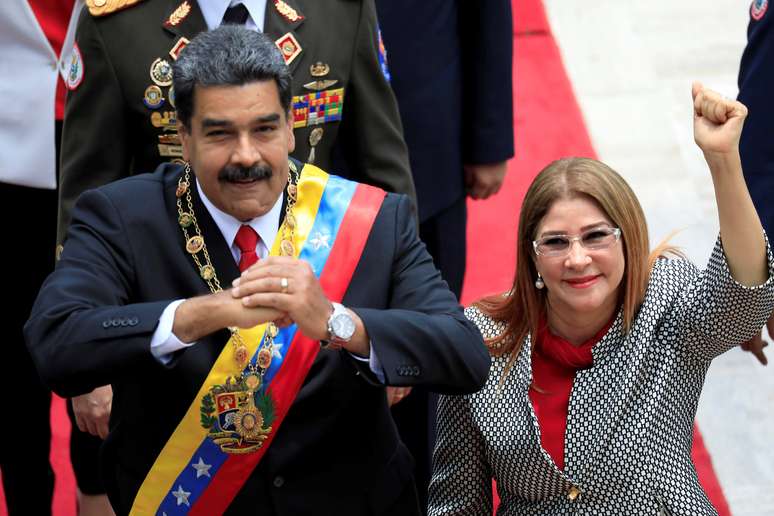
x=104, y=7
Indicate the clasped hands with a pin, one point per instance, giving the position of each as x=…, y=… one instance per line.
x=288, y=288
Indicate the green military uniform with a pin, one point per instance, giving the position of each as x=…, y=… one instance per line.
x=120, y=116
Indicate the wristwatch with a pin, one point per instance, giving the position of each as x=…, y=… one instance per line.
x=341, y=327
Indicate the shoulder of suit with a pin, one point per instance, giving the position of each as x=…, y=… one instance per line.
x=99, y=8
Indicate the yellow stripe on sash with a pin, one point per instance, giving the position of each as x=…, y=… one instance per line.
x=188, y=436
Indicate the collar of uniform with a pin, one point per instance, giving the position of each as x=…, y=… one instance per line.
x=266, y=225
x=213, y=11
x=276, y=24
x=190, y=25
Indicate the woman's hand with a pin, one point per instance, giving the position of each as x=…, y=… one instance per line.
x=717, y=121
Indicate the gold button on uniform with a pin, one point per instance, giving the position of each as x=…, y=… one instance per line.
x=573, y=493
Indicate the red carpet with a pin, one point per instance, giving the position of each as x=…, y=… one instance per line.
x=548, y=125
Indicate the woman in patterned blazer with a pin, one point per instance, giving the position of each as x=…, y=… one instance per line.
x=599, y=351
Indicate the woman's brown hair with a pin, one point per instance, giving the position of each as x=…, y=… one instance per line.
x=524, y=306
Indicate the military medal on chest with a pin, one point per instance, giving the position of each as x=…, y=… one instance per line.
x=161, y=72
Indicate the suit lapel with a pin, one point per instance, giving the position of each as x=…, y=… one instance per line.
x=219, y=250
x=278, y=25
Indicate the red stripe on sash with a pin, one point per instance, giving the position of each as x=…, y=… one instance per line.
x=343, y=259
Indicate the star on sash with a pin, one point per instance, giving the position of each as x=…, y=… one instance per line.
x=320, y=240
x=181, y=496
x=202, y=469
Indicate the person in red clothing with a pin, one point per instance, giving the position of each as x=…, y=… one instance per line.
x=35, y=42
x=600, y=349
x=31, y=38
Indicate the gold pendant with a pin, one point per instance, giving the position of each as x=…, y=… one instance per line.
x=264, y=358
x=182, y=188
x=194, y=244
x=290, y=220
x=207, y=272
x=237, y=418
x=240, y=356
x=185, y=219
x=287, y=249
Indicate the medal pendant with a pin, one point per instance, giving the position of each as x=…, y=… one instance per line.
x=290, y=220
x=240, y=356
x=182, y=188
x=237, y=418
x=264, y=358
x=207, y=272
x=194, y=244
x=286, y=248
x=185, y=220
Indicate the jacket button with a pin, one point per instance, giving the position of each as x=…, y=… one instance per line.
x=124, y=321
x=115, y=323
x=106, y=324
x=134, y=321
x=279, y=481
x=573, y=493
x=416, y=371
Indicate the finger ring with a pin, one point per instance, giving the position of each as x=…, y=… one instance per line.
x=284, y=285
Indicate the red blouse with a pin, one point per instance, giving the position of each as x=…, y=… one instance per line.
x=554, y=364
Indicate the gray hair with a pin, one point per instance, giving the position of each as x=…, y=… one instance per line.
x=230, y=55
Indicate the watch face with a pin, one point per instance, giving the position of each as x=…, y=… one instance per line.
x=343, y=326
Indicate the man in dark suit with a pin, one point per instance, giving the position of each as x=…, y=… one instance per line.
x=120, y=117
x=756, y=91
x=452, y=79
x=136, y=301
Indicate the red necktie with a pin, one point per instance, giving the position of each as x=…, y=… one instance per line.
x=246, y=240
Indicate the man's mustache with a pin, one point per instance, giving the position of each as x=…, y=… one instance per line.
x=234, y=173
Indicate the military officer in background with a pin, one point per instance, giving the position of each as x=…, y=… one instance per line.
x=120, y=112
x=459, y=129
x=756, y=146
x=120, y=115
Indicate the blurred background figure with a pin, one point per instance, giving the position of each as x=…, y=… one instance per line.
x=32, y=36
x=450, y=65
x=756, y=90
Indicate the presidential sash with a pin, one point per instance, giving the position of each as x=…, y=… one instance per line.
x=201, y=469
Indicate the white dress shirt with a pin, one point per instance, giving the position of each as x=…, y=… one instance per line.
x=213, y=11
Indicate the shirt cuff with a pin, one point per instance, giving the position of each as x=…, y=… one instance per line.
x=373, y=363
x=164, y=343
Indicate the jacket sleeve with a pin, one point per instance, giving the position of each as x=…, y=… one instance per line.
x=487, y=54
x=95, y=146
x=84, y=330
x=371, y=126
x=423, y=338
x=714, y=312
x=462, y=478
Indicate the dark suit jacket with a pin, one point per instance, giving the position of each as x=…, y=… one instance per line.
x=452, y=78
x=124, y=262
x=756, y=91
x=109, y=132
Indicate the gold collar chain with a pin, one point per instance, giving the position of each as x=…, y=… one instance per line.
x=196, y=247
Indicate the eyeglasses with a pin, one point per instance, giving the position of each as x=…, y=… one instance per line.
x=592, y=239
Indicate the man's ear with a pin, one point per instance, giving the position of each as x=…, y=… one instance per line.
x=185, y=139
x=289, y=128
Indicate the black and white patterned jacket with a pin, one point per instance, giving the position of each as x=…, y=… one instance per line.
x=630, y=419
